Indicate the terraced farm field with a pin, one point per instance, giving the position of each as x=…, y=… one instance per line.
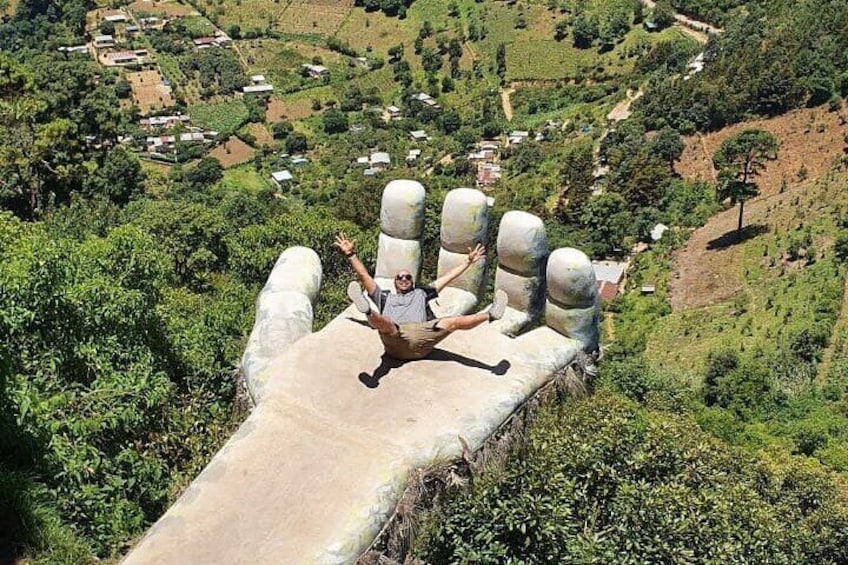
x=159, y=8
x=223, y=117
x=280, y=61
x=296, y=17
x=323, y=17
x=149, y=93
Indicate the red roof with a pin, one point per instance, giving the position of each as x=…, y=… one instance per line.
x=607, y=291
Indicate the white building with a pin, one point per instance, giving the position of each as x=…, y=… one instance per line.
x=256, y=88
x=315, y=71
x=379, y=160
x=281, y=178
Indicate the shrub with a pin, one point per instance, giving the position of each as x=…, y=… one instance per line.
x=604, y=481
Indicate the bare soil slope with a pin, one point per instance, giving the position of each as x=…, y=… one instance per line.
x=707, y=270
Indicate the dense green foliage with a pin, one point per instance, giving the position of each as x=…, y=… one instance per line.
x=602, y=480
x=126, y=291
x=772, y=57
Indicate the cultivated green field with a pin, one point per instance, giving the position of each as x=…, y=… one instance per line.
x=223, y=117
x=244, y=178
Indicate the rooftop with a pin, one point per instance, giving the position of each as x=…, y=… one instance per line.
x=611, y=271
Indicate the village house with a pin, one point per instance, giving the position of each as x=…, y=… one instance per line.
x=299, y=161
x=609, y=276
x=205, y=42
x=257, y=79
x=78, y=49
x=165, y=122
x=394, y=113
x=379, y=160
x=419, y=135
x=163, y=143
x=487, y=145
x=104, y=41
x=362, y=161
x=315, y=71
x=425, y=99
x=131, y=30
x=123, y=58
x=222, y=38
x=257, y=88
x=369, y=172
x=152, y=22
x=115, y=17
x=517, y=136
x=413, y=155
x=488, y=174
x=281, y=178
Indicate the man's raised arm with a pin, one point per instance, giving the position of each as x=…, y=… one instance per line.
x=479, y=252
x=347, y=247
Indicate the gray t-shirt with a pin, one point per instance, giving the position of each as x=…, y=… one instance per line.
x=408, y=308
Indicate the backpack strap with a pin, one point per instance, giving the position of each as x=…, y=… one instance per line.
x=384, y=294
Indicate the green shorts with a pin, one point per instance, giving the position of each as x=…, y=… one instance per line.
x=414, y=341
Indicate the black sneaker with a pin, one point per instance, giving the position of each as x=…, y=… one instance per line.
x=354, y=292
x=498, y=308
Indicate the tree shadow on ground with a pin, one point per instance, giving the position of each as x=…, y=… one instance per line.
x=734, y=237
x=388, y=363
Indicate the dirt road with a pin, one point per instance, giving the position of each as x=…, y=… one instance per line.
x=506, y=103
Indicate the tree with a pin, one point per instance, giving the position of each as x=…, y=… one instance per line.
x=561, y=29
x=207, y=172
x=585, y=30
x=107, y=27
x=396, y=53
x=739, y=160
x=281, y=130
x=500, y=61
x=296, y=143
x=335, y=121
x=577, y=167
x=667, y=145
x=120, y=178
x=663, y=15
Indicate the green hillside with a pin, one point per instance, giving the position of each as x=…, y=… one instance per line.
x=130, y=259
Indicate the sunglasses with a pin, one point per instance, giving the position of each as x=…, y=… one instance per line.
x=403, y=277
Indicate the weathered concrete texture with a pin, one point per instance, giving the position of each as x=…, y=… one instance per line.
x=402, y=209
x=394, y=255
x=283, y=314
x=465, y=221
x=317, y=468
x=522, y=251
x=401, y=227
x=572, y=307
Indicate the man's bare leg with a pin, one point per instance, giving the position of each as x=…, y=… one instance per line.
x=382, y=324
x=467, y=322
x=470, y=321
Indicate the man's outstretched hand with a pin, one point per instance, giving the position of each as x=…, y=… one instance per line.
x=345, y=245
x=479, y=252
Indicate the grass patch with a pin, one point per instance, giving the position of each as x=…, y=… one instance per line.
x=244, y=178
x=223, y=117
x=198, y=26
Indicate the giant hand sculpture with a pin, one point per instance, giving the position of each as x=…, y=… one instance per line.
x=318, y=467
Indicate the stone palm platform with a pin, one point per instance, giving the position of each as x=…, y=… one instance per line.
x=315, y=471
x=318, y=467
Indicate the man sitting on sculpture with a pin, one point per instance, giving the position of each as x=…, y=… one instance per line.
x=406, y=325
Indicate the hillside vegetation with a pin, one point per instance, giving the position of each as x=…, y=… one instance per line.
x=132, y=250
